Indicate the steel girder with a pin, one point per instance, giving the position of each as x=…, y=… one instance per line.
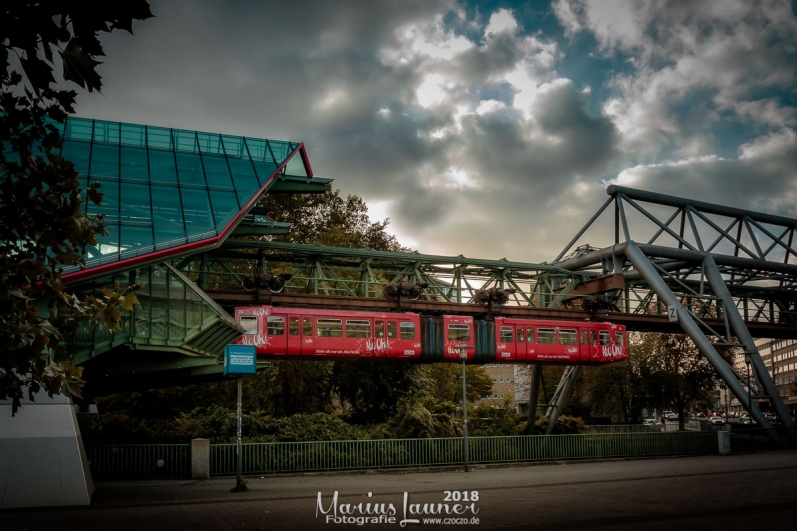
x=562, y=395
x=333, y=271
x=710, y=262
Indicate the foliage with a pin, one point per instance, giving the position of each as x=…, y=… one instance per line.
x=328, y=219
x=663, y=370
x=424, y=418
x=622, y=390
x=485, y=420
x=446, y=382
x=373, y=389
x=43, y=226
x=219, y=424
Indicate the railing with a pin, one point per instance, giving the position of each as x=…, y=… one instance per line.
x=173, y=461
x=264, y=458
x=139, y=461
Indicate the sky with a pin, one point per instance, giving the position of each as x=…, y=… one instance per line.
x=484, y=128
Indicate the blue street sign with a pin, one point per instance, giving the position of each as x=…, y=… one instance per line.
x=239, y=359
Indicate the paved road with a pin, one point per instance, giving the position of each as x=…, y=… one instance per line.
x=718, y=493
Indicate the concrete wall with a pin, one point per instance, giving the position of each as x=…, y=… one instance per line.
x=42, y=459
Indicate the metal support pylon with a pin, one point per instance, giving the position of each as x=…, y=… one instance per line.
x=688, y=324
x=562, y=394
x=534, y=392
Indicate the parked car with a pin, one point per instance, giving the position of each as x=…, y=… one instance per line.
x=746, y=420
x=719, y=421
x=651, y=422
x=672, y=416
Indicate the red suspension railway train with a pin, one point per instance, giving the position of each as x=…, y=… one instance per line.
x=309, y=333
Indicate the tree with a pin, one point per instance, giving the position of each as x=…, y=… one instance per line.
x=686, y=375
x=43, y=226
x=328, y=219
x=662, y=369
x=446, y=382
x=373, y=389
x=623, y=390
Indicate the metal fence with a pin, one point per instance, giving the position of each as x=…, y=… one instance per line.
x=139, y=461
x=265, y=458
x=173, y=461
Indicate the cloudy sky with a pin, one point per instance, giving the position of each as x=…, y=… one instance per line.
x=489, y=129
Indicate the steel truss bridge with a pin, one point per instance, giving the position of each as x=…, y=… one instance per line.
x=727, y=275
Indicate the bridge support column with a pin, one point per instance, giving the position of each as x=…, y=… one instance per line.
x=562, y=394
x=657, y=284
x=42, y=459
x=743, y=334
x=534, y=393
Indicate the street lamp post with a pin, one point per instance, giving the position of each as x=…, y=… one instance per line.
x=463, y=355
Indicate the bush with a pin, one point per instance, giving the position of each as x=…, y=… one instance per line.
x=565, y=425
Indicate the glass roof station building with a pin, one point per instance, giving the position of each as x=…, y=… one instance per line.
x=169, y=193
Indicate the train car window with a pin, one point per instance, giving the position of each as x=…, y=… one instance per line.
x=530, y=335
x=520, y=335
x=407, y=330
x=307, y=324
x=546, y=336
x=568, y=337
x=379, y=329
x=506, y=334
x=293, y=326
x=249, y=322
x=458, y=332
x=593, y=337
x=606, y=338
x=329, y=328
x=584, y=337
x=361, y=329
x=275, y=325
x=391, y=329
x=619, y=338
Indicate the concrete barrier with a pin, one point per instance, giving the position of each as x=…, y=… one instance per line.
x=200, y=458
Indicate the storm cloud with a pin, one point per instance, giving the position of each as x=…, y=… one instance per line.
x=458, y=121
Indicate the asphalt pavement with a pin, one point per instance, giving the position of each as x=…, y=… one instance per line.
x=749, y=491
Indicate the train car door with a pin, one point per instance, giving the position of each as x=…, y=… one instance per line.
x=294, y=336
x=409, y=341
x=459, y=333
x=380, y=345
x=308, y=336
x=505, y=347
x=583, y=339
x=520, y=342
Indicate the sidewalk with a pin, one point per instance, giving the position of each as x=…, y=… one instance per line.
x=731, y=492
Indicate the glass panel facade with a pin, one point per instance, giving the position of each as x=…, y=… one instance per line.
x=164, y=187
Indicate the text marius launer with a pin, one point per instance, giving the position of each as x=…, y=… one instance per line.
x=464, y=503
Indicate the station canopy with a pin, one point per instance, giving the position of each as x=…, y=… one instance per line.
x=168, y=192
